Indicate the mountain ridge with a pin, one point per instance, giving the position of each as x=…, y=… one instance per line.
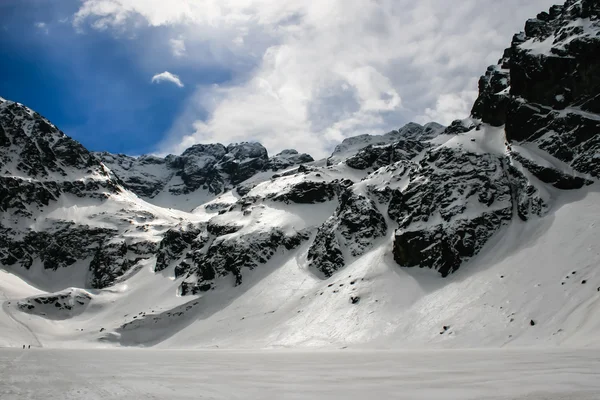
x=289, y=251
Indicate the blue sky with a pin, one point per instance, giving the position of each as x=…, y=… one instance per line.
x=288, y=73
x=89, y=84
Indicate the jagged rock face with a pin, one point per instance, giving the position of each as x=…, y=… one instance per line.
x=553, y=176
x=112, y=260
x=244, y=160
x=454, y=202
x=231, y=256
x=492, y=102
x=66, y=243
x=41, y=169
x=288, y=158
x=356, y=224
x=137, y=174
x=380, y=156
x=212, y=168
x=31, y=146
x=546, y=87
x=38, y=163
x=412, y=131
x=459, y=126
x=543, y=91
x=175, y=243
x=307, y=192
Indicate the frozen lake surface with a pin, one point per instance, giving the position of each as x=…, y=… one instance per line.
x=536, y=374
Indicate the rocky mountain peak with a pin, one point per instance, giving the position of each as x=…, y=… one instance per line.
x=424, y=196
x=545, y=89
x=411, y=131
x=32, y=146
x=201, y=172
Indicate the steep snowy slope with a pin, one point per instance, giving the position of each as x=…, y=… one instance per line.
x=491, y=301
x=66, y=221
x=479, y=234
x=519, y=278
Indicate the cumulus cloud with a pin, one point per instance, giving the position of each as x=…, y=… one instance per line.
x=42, y=26
x=168, y=77
x=448, y=107
x=322, y=71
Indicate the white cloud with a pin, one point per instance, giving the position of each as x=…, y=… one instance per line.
x=177, y=46
x=309, y=73
x=449, y=107
x=168, y=77
x=42, y=26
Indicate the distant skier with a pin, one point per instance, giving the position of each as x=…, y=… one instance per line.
x=28, y=347
x=23, y=347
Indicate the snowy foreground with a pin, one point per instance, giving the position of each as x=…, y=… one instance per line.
x=532, y=374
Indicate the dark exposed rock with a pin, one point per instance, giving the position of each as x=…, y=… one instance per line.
x=244, y=189
x=216, y=229
x=38, y=148
x=243, y=160
x=444, y=248
x=458, y=126
x=112, y=260
x=68, y=243
x=437, y=228
x=211, y=167
x=379, y=156
x=493, y=98
x=325, y=254
x=307, y=192
x=174, y=243
x=288, y=158
x=143, y=183
x=546, y=97
x=356, y=224
x=411, y=131
x=57, y=248
x=230, y=256
x=57, y=306
x=551, y=175
x=381, y=195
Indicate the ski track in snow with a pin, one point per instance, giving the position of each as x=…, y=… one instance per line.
x=26, y=328
x=159, y=374
x=22, y=327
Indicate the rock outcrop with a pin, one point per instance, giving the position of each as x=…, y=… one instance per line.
x=200, y=173
x=545, y=89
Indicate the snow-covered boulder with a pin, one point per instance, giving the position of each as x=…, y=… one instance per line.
x=57, y=306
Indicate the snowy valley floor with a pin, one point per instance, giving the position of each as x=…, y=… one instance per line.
x=532, y=374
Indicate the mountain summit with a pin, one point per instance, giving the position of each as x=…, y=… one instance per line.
x=458, y=235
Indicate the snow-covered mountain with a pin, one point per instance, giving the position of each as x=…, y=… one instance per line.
x=199, y=174
x=226, y=246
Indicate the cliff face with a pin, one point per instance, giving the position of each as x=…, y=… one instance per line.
x=546, y=87
x=544, y=92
